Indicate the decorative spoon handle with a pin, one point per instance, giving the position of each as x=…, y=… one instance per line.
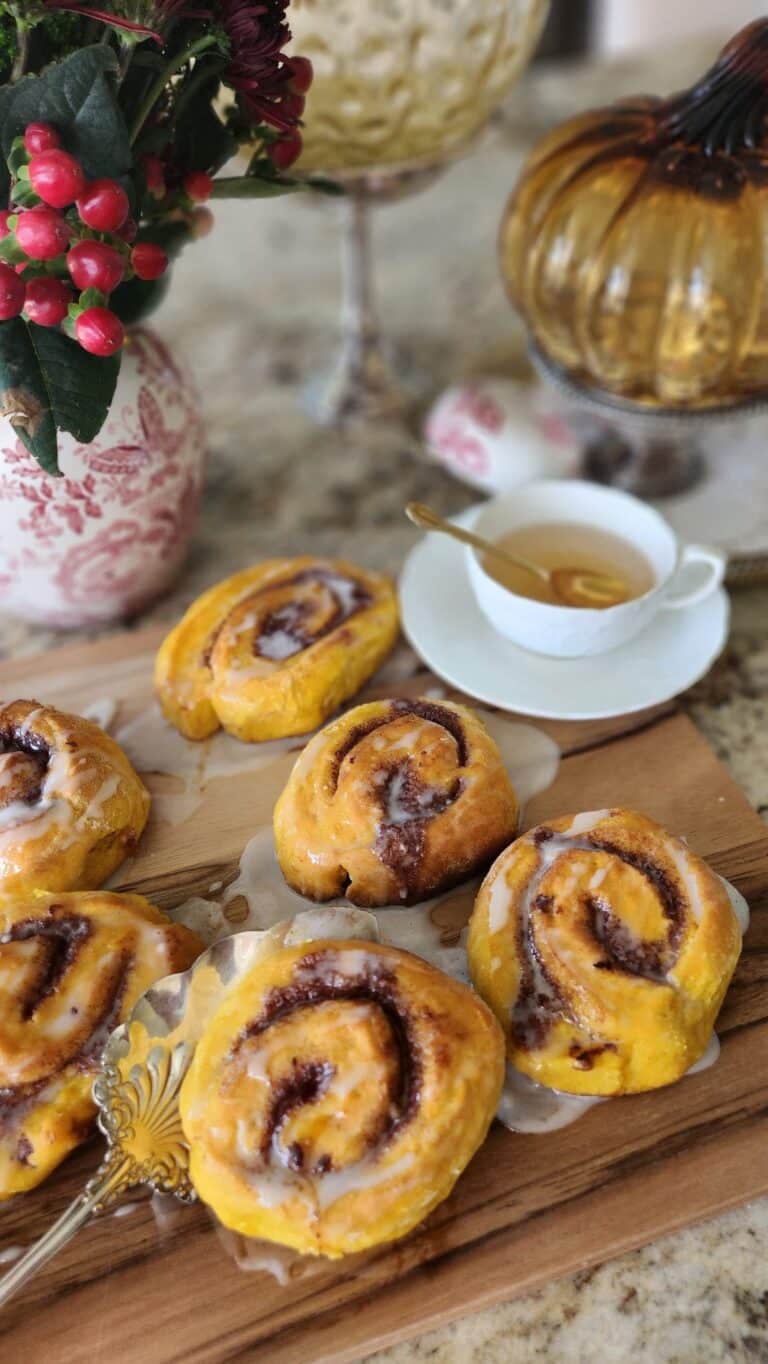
x=111, y=1180
x=140, y=1119
x=427, y=519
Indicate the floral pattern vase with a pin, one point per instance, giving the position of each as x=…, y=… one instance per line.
x=107, y=538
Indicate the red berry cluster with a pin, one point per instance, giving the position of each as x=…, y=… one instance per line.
x=179, y=199
x=68, y=232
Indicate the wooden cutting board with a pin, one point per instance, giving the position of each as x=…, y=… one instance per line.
x=157, y=1285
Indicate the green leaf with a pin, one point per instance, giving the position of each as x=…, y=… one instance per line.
x=77, y=96
x=322, y=185
x=270, y=184
x=10, y=251
x=49, y=381
x=252, y=187
x=23, y=396
x=92, y=298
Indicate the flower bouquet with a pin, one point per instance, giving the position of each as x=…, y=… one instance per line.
x=114, y=119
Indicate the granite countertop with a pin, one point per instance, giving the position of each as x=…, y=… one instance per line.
x=254, y=311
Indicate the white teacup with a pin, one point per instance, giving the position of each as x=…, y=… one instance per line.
x=568, y=632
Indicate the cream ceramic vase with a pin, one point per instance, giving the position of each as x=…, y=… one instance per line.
x=107, y=538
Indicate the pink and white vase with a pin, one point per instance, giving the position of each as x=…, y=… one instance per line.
x=105, y=539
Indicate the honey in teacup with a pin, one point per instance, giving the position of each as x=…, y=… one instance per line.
x=569, y=545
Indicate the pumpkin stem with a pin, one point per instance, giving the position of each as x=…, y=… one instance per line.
x=725, y=110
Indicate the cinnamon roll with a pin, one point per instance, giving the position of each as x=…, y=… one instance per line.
x=71, y=806
x=275, y=650
x=71, y=968
x=337, y=1094
x=393, y=803
x=604, y=946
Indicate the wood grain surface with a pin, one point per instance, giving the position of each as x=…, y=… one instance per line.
x=160, y=1286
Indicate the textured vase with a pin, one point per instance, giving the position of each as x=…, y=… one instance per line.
x=106, y=538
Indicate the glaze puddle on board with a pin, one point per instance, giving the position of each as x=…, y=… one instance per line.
x=102, y=712
x=157, y=749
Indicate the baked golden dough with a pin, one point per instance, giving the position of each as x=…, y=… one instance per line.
x=604, y=946
x=392, y=803
x=337, y=1094
x=71, y=968
x=275, y=650
x=71, y=806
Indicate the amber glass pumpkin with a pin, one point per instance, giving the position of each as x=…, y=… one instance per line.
x=636, y=243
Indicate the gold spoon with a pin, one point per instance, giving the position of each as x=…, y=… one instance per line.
x=573, y=586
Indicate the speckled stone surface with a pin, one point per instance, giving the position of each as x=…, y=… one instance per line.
x=254, y=311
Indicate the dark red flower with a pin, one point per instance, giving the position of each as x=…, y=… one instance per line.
x=258, y=69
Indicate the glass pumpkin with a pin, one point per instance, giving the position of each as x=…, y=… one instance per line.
x=636, y=243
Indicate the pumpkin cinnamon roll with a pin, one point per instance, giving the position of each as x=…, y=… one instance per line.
x=337, y=1094
x=604, y=946
x=275, y=650
x=393, y=803
x=71, y=968
x=71, y=806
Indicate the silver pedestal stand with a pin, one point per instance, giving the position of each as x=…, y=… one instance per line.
x=649, y=451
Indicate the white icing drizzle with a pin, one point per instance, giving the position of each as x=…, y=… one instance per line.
x=739, y=905
x=266, y=1257
x=19, y=813
x=256, y=1257
x=585, y=822
x=168, y=1212
x=102, y=712
x=526, y=1106
x=708, y=1058
x=279, y=646
x=125, y=1209
x=64, y=777
x=363, y=1174
x=499, y=904
x=10, y=1253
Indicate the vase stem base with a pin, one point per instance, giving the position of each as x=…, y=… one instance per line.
x=648, y=467
x=365, y=385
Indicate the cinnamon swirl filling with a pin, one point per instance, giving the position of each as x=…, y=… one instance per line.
x=395, y=801
x=326, y=1104
x=284, y=617
x=24, y=761
x=318, y=982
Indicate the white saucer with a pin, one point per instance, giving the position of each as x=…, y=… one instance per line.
x=448, y=630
